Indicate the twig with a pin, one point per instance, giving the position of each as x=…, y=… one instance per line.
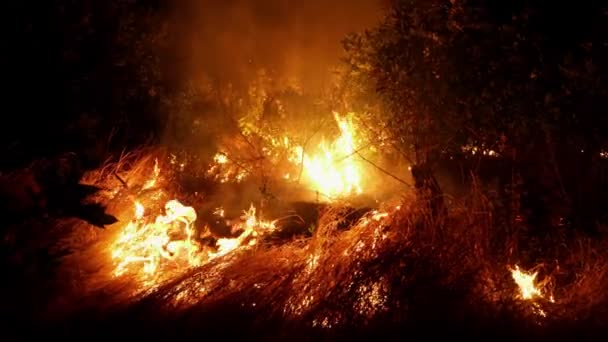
x=354, y=152
x=121, y=180
x=385, y=171
x=290, y=216
x=239, y=165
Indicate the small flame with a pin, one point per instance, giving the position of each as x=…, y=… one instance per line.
x=219, y=211
x=220, y=158
x=139, y=210
x=252, y=227
x=156, y=173
x=224, y=170
x=526, y=282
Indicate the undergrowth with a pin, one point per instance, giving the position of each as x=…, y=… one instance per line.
x=397, y=275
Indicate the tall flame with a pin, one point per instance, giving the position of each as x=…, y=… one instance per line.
x=332, y=170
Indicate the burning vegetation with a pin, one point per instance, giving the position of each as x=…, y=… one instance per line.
x=451, y=172
x=347, y=269
x=153, y=250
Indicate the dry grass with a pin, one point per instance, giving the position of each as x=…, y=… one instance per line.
x=394, y=275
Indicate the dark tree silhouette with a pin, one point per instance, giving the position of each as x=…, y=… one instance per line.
x=80, y=73
x=526, y=79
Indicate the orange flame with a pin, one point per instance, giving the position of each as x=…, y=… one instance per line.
x=147, y=249
x=150, y=243
x=156, y=173
x=252, y=227
x=526, y=282
x=332, y=169
x=529, y=290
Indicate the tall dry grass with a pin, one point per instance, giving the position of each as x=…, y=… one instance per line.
x=398, y=274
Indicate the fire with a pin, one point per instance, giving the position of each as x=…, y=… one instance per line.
x=224, y=170
x=219, y=211
x=139, y=210
x=170, y=243
x=152, y=181
x=530, y=290
x=169, y=237
x=150, y=249
x=252, y=228
x=332, y=170
x=525, y=281
x=220, y=158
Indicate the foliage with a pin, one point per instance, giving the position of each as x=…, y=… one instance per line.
x=511, y=77
x=459, y=71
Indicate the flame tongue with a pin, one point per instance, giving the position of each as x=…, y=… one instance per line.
x=150, y=243
x=332, y=170
x=170, y=241
x=525, y=281
x=252, y=227
x=148, y=248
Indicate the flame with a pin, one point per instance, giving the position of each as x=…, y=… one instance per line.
x=526, y=282
x=219, y=211
x=529, y=290
x=220, y=158
x=332, y=169
x=152, y=181
x=149, y=244
x=139, y=210
x=374, y=215
x=224, y=170
x=151, y=250
x=252, y=228
x=169, y=241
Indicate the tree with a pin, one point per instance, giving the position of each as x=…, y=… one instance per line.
x=507, y=75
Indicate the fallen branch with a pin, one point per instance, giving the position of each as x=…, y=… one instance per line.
x=122, y=181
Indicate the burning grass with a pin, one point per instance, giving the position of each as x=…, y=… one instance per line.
x=393, y=269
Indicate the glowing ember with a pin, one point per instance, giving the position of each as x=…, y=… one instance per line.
x=525, y=281
x=475, y=150
x=332, y=169
x=371, y=299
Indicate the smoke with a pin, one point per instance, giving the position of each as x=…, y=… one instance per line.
x=227, y=41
